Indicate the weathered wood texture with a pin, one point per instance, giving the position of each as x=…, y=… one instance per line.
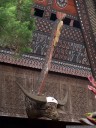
x=80, y=100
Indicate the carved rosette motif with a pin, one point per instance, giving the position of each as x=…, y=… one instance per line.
x=62, y=3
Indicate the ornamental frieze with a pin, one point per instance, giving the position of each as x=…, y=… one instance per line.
x=65, y=50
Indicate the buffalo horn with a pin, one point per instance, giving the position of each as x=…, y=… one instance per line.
x=64, y=101
x=36, y=98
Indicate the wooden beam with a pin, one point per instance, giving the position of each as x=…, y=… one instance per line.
x=88, y=34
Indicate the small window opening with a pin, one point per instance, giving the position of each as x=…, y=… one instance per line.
x=53, y=17
x=76, y=24
x=38, y=12
x=66, y=21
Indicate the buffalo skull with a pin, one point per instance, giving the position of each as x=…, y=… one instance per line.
x=42, y=106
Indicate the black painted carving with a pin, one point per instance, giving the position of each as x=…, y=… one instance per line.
x=65, y=50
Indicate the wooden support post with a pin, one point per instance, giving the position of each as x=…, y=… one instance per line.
x=53, y=41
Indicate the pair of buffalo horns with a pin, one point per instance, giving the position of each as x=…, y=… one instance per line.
x=41, y=99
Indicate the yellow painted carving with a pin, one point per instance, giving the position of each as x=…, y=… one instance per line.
x=58, y=32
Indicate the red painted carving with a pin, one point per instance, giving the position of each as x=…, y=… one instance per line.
x=70, y=8
x=42, y=2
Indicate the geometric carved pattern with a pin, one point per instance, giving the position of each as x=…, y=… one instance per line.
x=91, y=7
x=64, y=51
x=67, y=32
x=88, y=34
x=39, y=7
x=37, y=62
x=44, y=25
x=70, y=49
x=47, y=12
x=40, y=44
x=50, y=6
x=71, y=52
x=65, y=6
x=73, y=34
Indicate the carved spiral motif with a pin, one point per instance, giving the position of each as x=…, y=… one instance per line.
x=62, y=3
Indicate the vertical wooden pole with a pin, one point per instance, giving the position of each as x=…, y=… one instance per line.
x=47, y=63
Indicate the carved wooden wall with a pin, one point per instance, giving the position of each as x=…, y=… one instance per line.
x=80, y=99
x=70, y=47
x=70, y=55
x=91, y=7
x=67, y=6
x=87, y=32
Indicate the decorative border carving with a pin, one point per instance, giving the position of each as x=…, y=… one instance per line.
x=88, y=34
x=69, y=48
x=48, y=9
x=37, y=62
x=60, y=65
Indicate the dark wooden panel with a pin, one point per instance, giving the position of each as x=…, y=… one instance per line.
x=66, y=49
x=57, y=5
x=91, y=7
x=12, y=99
x=69, y=7
x=37, y=61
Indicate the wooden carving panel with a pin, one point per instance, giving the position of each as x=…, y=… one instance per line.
x=72, y=34
x=88, y=34
x=66, y=6
x=44, y=25
x=40, y=44
x=36, y=62
x=12, y=98
x=71, y=52
x=69, y=33
x=91, y=7
x=65, y=50
x=69, y=56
